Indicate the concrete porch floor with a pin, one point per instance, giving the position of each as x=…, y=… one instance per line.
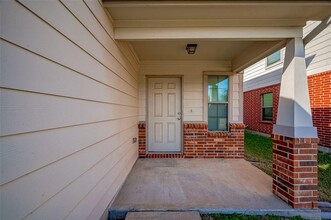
x=204, y=185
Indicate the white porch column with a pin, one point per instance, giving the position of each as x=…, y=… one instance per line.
x=294, y=117
x=294, y=137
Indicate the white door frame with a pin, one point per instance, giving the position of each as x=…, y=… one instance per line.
x=180, y=77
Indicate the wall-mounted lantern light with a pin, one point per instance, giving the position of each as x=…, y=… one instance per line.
x=190, y=48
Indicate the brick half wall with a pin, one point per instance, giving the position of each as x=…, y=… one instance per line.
x=200, y=143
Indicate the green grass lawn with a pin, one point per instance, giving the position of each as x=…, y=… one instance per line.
x=245, y=217
x=258, y=150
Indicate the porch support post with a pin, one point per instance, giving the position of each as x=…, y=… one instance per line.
x=294, y=137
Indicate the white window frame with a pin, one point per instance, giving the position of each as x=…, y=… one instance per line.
x=205, y=95
x=272, y=107
x=276, y=63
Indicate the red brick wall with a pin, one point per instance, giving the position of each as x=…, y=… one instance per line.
x=200, y=143
x=253, y=110
x=320, y=100
x=295, y=170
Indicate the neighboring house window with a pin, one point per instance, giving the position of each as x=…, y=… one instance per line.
x=267, y=100
x=273, y=58
x=218, y=89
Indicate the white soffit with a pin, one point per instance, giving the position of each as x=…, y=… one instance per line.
x=216, y=13
x=237, y=31
x=175, y=50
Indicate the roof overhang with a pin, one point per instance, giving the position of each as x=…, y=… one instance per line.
x=215, y=13
x=265, y=23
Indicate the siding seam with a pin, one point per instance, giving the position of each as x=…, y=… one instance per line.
x=66, y=97
x=77, y=45
x=96, y=37
x=68, y=126
x=108, y=33
x=67, y=185
x=69, y=68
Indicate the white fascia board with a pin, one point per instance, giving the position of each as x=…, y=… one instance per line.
x=210, y=23
x=230, y=33
x=117, y=4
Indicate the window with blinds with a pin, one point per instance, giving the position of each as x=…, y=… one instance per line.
x=267, y=100
x=218, y=92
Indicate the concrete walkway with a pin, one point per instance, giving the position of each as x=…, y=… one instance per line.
x=204, y=185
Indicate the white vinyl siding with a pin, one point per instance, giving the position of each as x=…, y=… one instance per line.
x=259, y=75
x=318, y=51
x=318, y=59
x=69, y=110
x=273, y=59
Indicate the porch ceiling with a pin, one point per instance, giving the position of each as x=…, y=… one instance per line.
x=175, y=50
x=242, y=32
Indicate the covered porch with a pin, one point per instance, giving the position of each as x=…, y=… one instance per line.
x=78, y=79
x=176, y=97
x=207, y=186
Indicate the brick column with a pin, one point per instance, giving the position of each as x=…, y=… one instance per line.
x=295, y=170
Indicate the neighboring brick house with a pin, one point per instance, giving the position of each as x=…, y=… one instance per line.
x=264, y=77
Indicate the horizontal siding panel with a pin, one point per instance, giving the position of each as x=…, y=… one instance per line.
x=78, y=189
x=320, y=67
x=14, y=29
x=69, y=110
x=193, y=103
x=25, y=153
x=318, y=42
x=252, y=70
x=26, y=112
x=82, y=11
x=193, y=95
x=193, y=118
x=321, y=56
x=112, y=189
x=318, y=51
x=310, y=25
x=56, y=15
x=105, y=189
x=24, y=70
x=264, y=80
x=127, y=49
x=43, y=187
x=257, y=75
x=192, y=111
x=193, y=87
x=100, y=13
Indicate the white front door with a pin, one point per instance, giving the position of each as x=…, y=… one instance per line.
x=164, y=115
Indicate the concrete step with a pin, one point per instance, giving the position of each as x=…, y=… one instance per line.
x=163, y=216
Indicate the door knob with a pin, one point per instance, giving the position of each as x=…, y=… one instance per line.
x=179, y=114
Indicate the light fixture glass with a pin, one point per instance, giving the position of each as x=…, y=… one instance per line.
x=190, y=48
